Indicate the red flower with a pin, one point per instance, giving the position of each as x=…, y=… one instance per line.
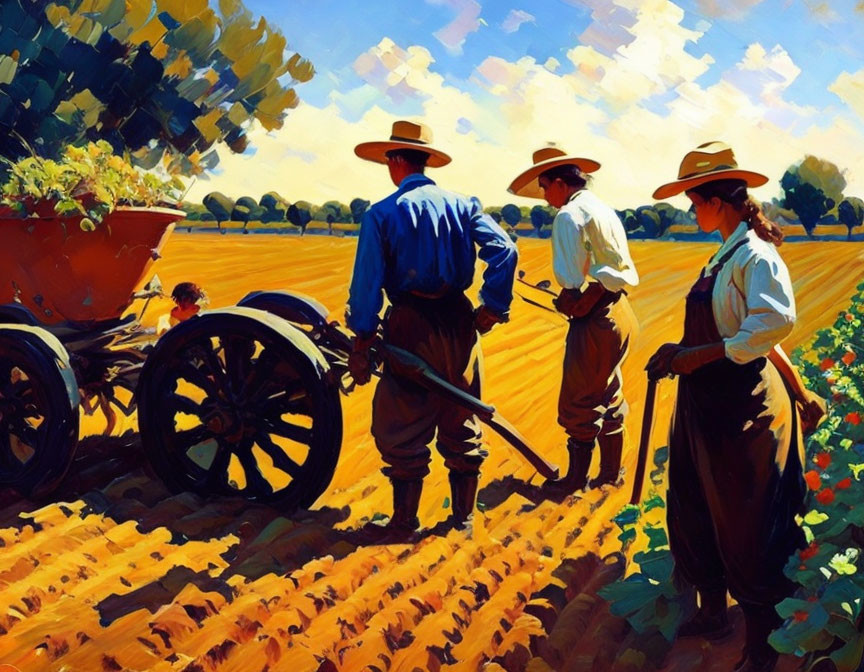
x=800, y=616
x=849, y=317
x=825, y=497
x=848, y=358
x=845, y=483
x=853, y=418
x=827, y=363
x=810, y=551
x=822, y=460
x=813, y=480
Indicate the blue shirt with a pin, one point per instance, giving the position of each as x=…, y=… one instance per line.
x=421, y=238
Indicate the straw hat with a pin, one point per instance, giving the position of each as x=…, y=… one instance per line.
x=526, y=183
x=405, y=135
x=707, y=163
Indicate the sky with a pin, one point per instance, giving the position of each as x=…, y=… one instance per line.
x=633, y=85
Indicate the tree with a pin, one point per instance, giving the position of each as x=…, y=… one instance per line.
x=807, y=201
x=275, y=207
x=334, y=211
x=165, y=81
x=628, y=219
x=811, y=189
x=220, y=206
x=494, y=212
x=358, y=208
x=850, y=212
x=540, y=217
x=246, y=210
x=194, y=211
x=511, y=214
x=649, y=221
x=825, y=176
x=300, y=214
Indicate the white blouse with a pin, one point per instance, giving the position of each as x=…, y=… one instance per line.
x=588, y=239
x=753, y=301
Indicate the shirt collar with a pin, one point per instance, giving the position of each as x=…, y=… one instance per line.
x=575, y=194
x=414, y=180
x=737, y=235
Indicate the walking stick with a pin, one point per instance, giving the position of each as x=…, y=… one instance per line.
x=644, y=440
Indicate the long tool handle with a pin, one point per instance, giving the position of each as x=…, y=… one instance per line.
x=417, y=369
x=644, y=440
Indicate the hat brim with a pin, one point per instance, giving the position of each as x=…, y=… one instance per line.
x=377, y=152
x=527, y=183
x=679, y=186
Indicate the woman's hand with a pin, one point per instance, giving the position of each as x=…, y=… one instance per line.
x=660, y=364
x=690, y=359
x=673, y=359
x=812, y=410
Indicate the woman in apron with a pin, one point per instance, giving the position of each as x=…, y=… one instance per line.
x=736, y=448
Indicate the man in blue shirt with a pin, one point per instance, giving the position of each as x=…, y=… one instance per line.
x=418, y=246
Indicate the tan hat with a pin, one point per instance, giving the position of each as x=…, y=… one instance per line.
x=405, y=135
x=526, y=184
x=708, y=163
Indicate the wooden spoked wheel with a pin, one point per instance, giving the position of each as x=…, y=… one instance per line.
x=239, y=402
x=38, y=410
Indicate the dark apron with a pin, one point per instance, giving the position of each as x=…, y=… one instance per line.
x=735, y=468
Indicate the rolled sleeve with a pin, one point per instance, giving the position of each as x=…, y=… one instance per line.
x=770, y=311
x=500, y=255
x=365, y=297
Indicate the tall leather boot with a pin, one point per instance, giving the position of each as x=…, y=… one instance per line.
x=611, y=447
x=576, y=478
x=758, y=654
x=711, y=622
x=463, y=491
x=403, y=523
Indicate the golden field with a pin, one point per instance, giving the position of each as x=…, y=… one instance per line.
x=84, y=586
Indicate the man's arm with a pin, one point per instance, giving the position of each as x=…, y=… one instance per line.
x=500, y=255
x=610, y=261
x=365, y=297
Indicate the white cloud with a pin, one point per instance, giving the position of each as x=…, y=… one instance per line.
x=467, y=20
x=633, y=51
x=396, y=72
x=515, y=19
x=849, y=87
x=552, y=64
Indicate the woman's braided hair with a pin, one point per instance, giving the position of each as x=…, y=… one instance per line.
x=734, y=192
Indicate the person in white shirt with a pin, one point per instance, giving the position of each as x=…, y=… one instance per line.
x=592, y=263
x=736, y=447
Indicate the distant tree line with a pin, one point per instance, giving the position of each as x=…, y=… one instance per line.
x=812, y=196
x=272, y=208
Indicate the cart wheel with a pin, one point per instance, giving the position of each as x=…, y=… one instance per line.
x=237, y=402
x=38, y=410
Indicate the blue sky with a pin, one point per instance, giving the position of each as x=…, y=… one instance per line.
x=785, y=77
x=333, y=32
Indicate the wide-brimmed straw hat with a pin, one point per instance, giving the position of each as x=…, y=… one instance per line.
x=405, y=135
x=526, y=184
x=708, y=163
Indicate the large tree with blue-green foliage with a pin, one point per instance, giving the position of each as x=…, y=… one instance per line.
x=165, y=80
